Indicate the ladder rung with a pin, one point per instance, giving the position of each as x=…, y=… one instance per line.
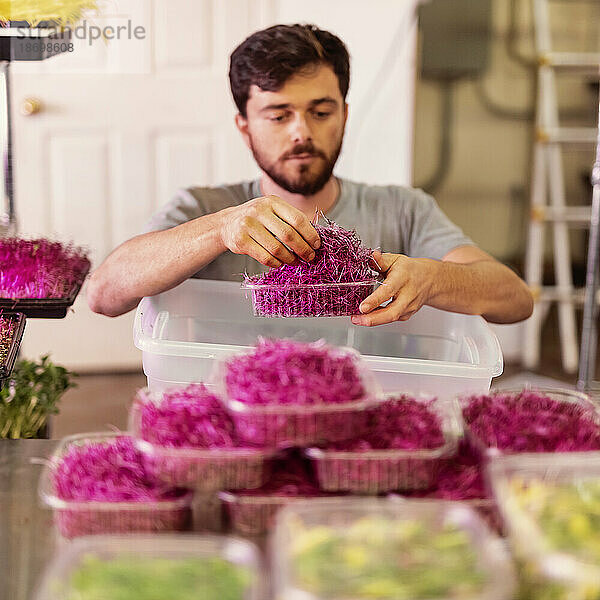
x=556, y=294
x=580, y=61
x=571, y=214
x=568, y=135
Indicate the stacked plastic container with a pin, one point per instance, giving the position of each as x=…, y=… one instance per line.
x=263, y=432
x=205, y=470
x=166, y=566
x=369, y=548
x=380, y=471
x=188, y=334
x=550, y=505
x=75, y=518
x=278, y=425
x=570, y=397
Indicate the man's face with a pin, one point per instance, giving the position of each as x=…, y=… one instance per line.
x=296, y=132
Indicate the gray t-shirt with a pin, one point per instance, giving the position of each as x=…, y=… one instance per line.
x=389, y=218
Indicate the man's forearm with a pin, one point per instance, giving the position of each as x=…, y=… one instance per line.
x=154, y=262
x=486, y=288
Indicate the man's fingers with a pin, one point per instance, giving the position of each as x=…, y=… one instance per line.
x=381, y=316
x=298, y=221
x=383, y=293
x=270, y=243
x=376, y=317
x=257, y=252
x=388, y=289
x=383, y=262
x=288, y=236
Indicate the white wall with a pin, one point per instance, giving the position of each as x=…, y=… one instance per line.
x=123, y=126
x=381, y=37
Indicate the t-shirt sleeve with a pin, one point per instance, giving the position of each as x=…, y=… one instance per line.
x=184, y=207
x=428, y=232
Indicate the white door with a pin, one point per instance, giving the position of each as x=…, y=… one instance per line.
x=124, y=123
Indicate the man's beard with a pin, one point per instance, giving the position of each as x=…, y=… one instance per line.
x=305, y=182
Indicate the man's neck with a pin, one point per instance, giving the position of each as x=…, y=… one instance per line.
x=323, y=200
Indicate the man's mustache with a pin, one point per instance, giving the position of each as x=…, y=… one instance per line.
x=303, y=149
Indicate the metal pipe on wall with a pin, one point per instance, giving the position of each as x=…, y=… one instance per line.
x=589, y=335
x=7, y=216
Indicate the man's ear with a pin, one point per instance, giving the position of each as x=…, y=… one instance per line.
x=345, y=112
x=241, y=123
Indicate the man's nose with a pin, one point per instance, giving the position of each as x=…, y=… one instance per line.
x=300, y=131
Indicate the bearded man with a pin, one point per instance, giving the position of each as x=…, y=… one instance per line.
x=289, y=83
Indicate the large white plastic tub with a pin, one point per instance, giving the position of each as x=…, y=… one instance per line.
x=183, y=331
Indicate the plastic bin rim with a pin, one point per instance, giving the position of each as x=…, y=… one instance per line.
x=394, y=365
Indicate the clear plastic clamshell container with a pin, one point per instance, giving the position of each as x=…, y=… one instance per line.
x=141, y=566
x=280, y=426
x=550, y=504
x=79, y=518
x=356, y=548
x=204, y=469
x=378, y=471
x=184, y=330
x=9, y=344
x=559, y=395
x=309, y=300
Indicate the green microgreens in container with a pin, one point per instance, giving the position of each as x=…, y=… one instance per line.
x=30, y=396
x=142, y=579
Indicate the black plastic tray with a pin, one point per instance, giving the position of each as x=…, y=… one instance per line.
x=44, y=308
x=7, y=367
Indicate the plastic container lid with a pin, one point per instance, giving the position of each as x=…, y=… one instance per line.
x=526, y=533
x=57, y=585
x=369, y=527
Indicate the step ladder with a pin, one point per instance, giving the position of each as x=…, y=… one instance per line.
x=548, y=201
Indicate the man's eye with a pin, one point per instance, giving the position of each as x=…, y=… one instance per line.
x=277, y=118
x=321, y=114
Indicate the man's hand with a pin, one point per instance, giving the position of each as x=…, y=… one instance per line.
x=271, y=231
x=407, y=283
x=467, y=280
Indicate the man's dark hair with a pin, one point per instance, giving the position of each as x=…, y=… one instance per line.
x=268, y=58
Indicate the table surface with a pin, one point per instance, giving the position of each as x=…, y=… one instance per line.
x=27, y=537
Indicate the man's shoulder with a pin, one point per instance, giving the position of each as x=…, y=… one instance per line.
x=391, y=195
x=219, y=196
